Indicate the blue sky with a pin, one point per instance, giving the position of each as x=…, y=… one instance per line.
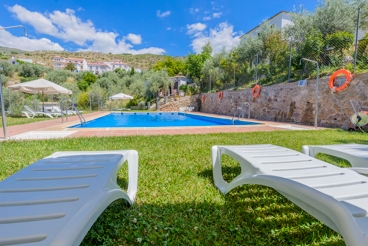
x=159, y=27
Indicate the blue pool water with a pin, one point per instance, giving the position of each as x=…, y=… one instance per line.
x=157, y=120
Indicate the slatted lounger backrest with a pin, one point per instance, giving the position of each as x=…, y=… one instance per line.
x=56, y=200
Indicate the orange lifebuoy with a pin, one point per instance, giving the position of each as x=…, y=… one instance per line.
x=220, y=95
x=256, y=91
x=203, y=98
x=348, y=77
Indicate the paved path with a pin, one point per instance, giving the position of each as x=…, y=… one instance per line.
x=55, y=128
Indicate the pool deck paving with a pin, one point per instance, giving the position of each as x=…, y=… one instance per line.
x=57, y=129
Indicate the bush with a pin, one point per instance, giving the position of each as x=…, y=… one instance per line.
x=8, y=69
x=83, y=99
x=134, y=101
x=83, y=85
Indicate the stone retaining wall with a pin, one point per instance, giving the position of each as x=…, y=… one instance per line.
x=291, y=103
x=174, y=103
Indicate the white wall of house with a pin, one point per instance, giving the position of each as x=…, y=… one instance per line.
x=98, y=68
x=279, y=21
x=95, y=67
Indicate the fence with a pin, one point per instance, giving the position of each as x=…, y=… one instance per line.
x=280, y=59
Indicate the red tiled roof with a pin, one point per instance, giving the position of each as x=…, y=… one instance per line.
x=96, y=64
x=78, y=59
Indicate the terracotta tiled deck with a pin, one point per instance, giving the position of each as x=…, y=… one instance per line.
x=56, y=126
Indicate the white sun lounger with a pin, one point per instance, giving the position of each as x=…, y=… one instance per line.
x=356, y=154
x=336, y=196
x=56, y=200
x=33, y=113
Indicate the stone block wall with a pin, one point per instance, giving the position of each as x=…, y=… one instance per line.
x=174, y=103
x=290, y=103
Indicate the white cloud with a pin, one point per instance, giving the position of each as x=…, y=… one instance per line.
x=169, y=28
x=220, y=37
x=217, y=15
x=40, y=22
x=68, y=27
x=134, y=38
x=207, y=18
x=24, y=43
x=197, y=27
x=163, y=14
x=193, y=11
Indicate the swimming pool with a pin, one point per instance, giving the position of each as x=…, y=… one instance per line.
x=158, y=120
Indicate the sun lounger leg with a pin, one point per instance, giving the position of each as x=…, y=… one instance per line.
x=308, y=151
x=132, y=174
x=217, y=170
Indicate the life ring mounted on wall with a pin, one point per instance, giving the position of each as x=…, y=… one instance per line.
x=256, y=91
x=203, y=98
x=331, y=82
x=220, y=95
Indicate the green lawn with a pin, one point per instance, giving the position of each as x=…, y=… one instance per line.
x=177, y=203
x=12, y=121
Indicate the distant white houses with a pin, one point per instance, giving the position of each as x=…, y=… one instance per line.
x=61, y=62
x=96, y=67
x=114, y=64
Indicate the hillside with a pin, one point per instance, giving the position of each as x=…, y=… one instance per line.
x=45, y=57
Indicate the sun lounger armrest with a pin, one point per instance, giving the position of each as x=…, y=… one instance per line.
x=360, y=170
x=355, y=161
x=314, y=202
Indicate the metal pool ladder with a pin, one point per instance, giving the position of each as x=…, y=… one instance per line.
x=240, y=111
x=77, y=112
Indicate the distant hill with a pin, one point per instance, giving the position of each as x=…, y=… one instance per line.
x=143, y=62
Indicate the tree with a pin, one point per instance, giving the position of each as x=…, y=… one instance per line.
x=194, y=63
x=83, y=99
x=159, y=80
x=340, y=40
x=132, y=71
x=60, y=76
x=70, y=67
x=8, y=69
x=171, y=65
x=13, y=52
x=89, y=77
x=82, y=85
x=276, y=49
x=138, y=88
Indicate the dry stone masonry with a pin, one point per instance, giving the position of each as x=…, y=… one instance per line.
x=285, y=102
x=292, y=103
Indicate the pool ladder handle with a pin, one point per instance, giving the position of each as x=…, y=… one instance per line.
x=240, y=110
x=80, y=116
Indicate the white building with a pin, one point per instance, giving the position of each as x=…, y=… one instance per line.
x=61, y=62
x=279, y=20
x=178, y=80
x=95, y=67
x=98, y=67
x=114, y=64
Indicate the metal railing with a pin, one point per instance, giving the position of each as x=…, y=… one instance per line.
x=74, y=108
x=240, y=111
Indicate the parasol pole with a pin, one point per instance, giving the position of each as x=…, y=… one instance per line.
x=43, y=103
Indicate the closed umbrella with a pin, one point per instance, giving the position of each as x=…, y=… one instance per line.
x=40, y=86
